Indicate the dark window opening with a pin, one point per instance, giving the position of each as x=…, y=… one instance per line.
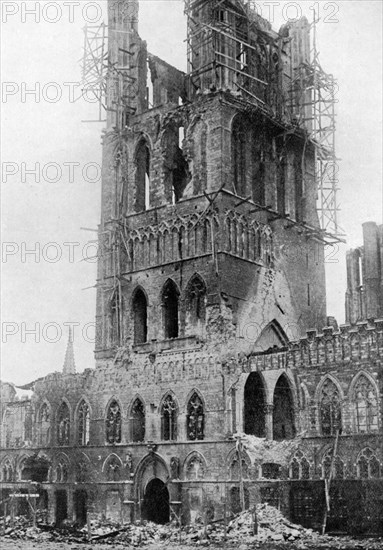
x=80, y=498
x=196, y=303
x=113, y=423
x=235, y=499
x=115, y=324
x=61, y=507
x=176, y=169
x=169, y=419
x=142, y=176
x=299, y=199
x=239, y=155
x=83, y=424
x=45, y=423
x=138, y=421
x=35, y=469
x=195, y=418
x=255, y=405
x=281, y=182
x=140, y=317
x=156, y=502
x=170, y=305
x=283, y=411
x=270, y=470
x=330, y=409
x=63, y=425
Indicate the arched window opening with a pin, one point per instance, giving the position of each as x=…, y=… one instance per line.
x=140, y=314
x=236, y=469
x=299, y=467
x=330, y=409
x=195, y=418
x=169, y=419
x=239, y=155
x=368, y=466
x=35, y=468
x=45, y=424
x=83, y=421
x=337, y=465
x=115, y=321
x=7, y=472
x=113, y=423
x=283, y=411
x=255, y=405
x=113, y=469
x=142, y=176
x=170, y=308
x=195, y=305
x=138, y=421
x=195, y=468
x=176, y=170
x=63, y=425
x=365, y=406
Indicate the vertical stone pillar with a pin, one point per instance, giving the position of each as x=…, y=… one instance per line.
x=181, y=427
x=269, y=420
x=371, y=275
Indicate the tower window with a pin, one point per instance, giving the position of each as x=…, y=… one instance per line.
x=283, y=411
x=140, y=317
x=239, y=155
x=138, y=421
x=142, y=176
x=170, y=297
x=63, y=425
x=195, y=303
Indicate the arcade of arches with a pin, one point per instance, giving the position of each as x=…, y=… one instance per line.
x=273, y=420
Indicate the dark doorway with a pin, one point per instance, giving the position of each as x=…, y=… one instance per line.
x=79, y=501
x=156, y=502
x=283, y=412
x=255, y=404
x=61, y=507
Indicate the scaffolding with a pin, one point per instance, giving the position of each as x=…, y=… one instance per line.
x=309, y=103
x=95, y=65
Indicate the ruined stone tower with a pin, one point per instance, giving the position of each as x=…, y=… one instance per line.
x=209, y=223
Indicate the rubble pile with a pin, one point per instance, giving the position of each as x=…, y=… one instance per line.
x=273, y=529
x=263, y=450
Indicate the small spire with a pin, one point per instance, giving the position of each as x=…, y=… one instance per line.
x=69, y=364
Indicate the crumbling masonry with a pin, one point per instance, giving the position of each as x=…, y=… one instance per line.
x=212, y=264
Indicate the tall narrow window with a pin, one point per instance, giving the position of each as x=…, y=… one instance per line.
x=63, y=425
x=195, y=418
x=113, y=423
x=195, y=304
x=140, y=317
x=239, y=155
x=142, y=176
x=170, y=305
x=138, y=421
x=169, y=419
x=365, y=406
x=83, y=423
x=115, y=321
x=44, y=421
x=255, y=406
x=283, y=411
x=330, y=409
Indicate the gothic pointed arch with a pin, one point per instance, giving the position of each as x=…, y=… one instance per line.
x=255, y=405
x=140, y=316
x=170, y=305
x=113, y=422
x=63, y=422
x=169, y=417
x=283, y=410
x=195, y=466
x=195, y=417
x=142, y=162
x=112, y=467
x=364, y=399
x=175, y=166
x=137, y=419
x=272, y=336
x=83, y=422
x=44, y=424
x=329, y=399
x=367, y=464
x=195, y=303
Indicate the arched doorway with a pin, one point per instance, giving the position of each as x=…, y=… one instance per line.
x=283, y=412
x=255, y=404
x=156, y=502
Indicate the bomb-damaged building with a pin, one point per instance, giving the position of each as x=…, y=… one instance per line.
x=215, y=385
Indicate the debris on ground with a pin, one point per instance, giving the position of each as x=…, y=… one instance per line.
x=273, y=531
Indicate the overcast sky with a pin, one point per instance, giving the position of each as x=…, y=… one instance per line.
x=44, y=291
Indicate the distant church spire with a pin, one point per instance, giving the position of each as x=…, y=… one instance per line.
x=69, y=364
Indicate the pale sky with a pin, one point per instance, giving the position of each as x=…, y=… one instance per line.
x=44, y=291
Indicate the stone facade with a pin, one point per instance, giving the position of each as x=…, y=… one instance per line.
x=211, y=272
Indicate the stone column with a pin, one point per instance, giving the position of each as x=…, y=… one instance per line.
x=269, y=420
